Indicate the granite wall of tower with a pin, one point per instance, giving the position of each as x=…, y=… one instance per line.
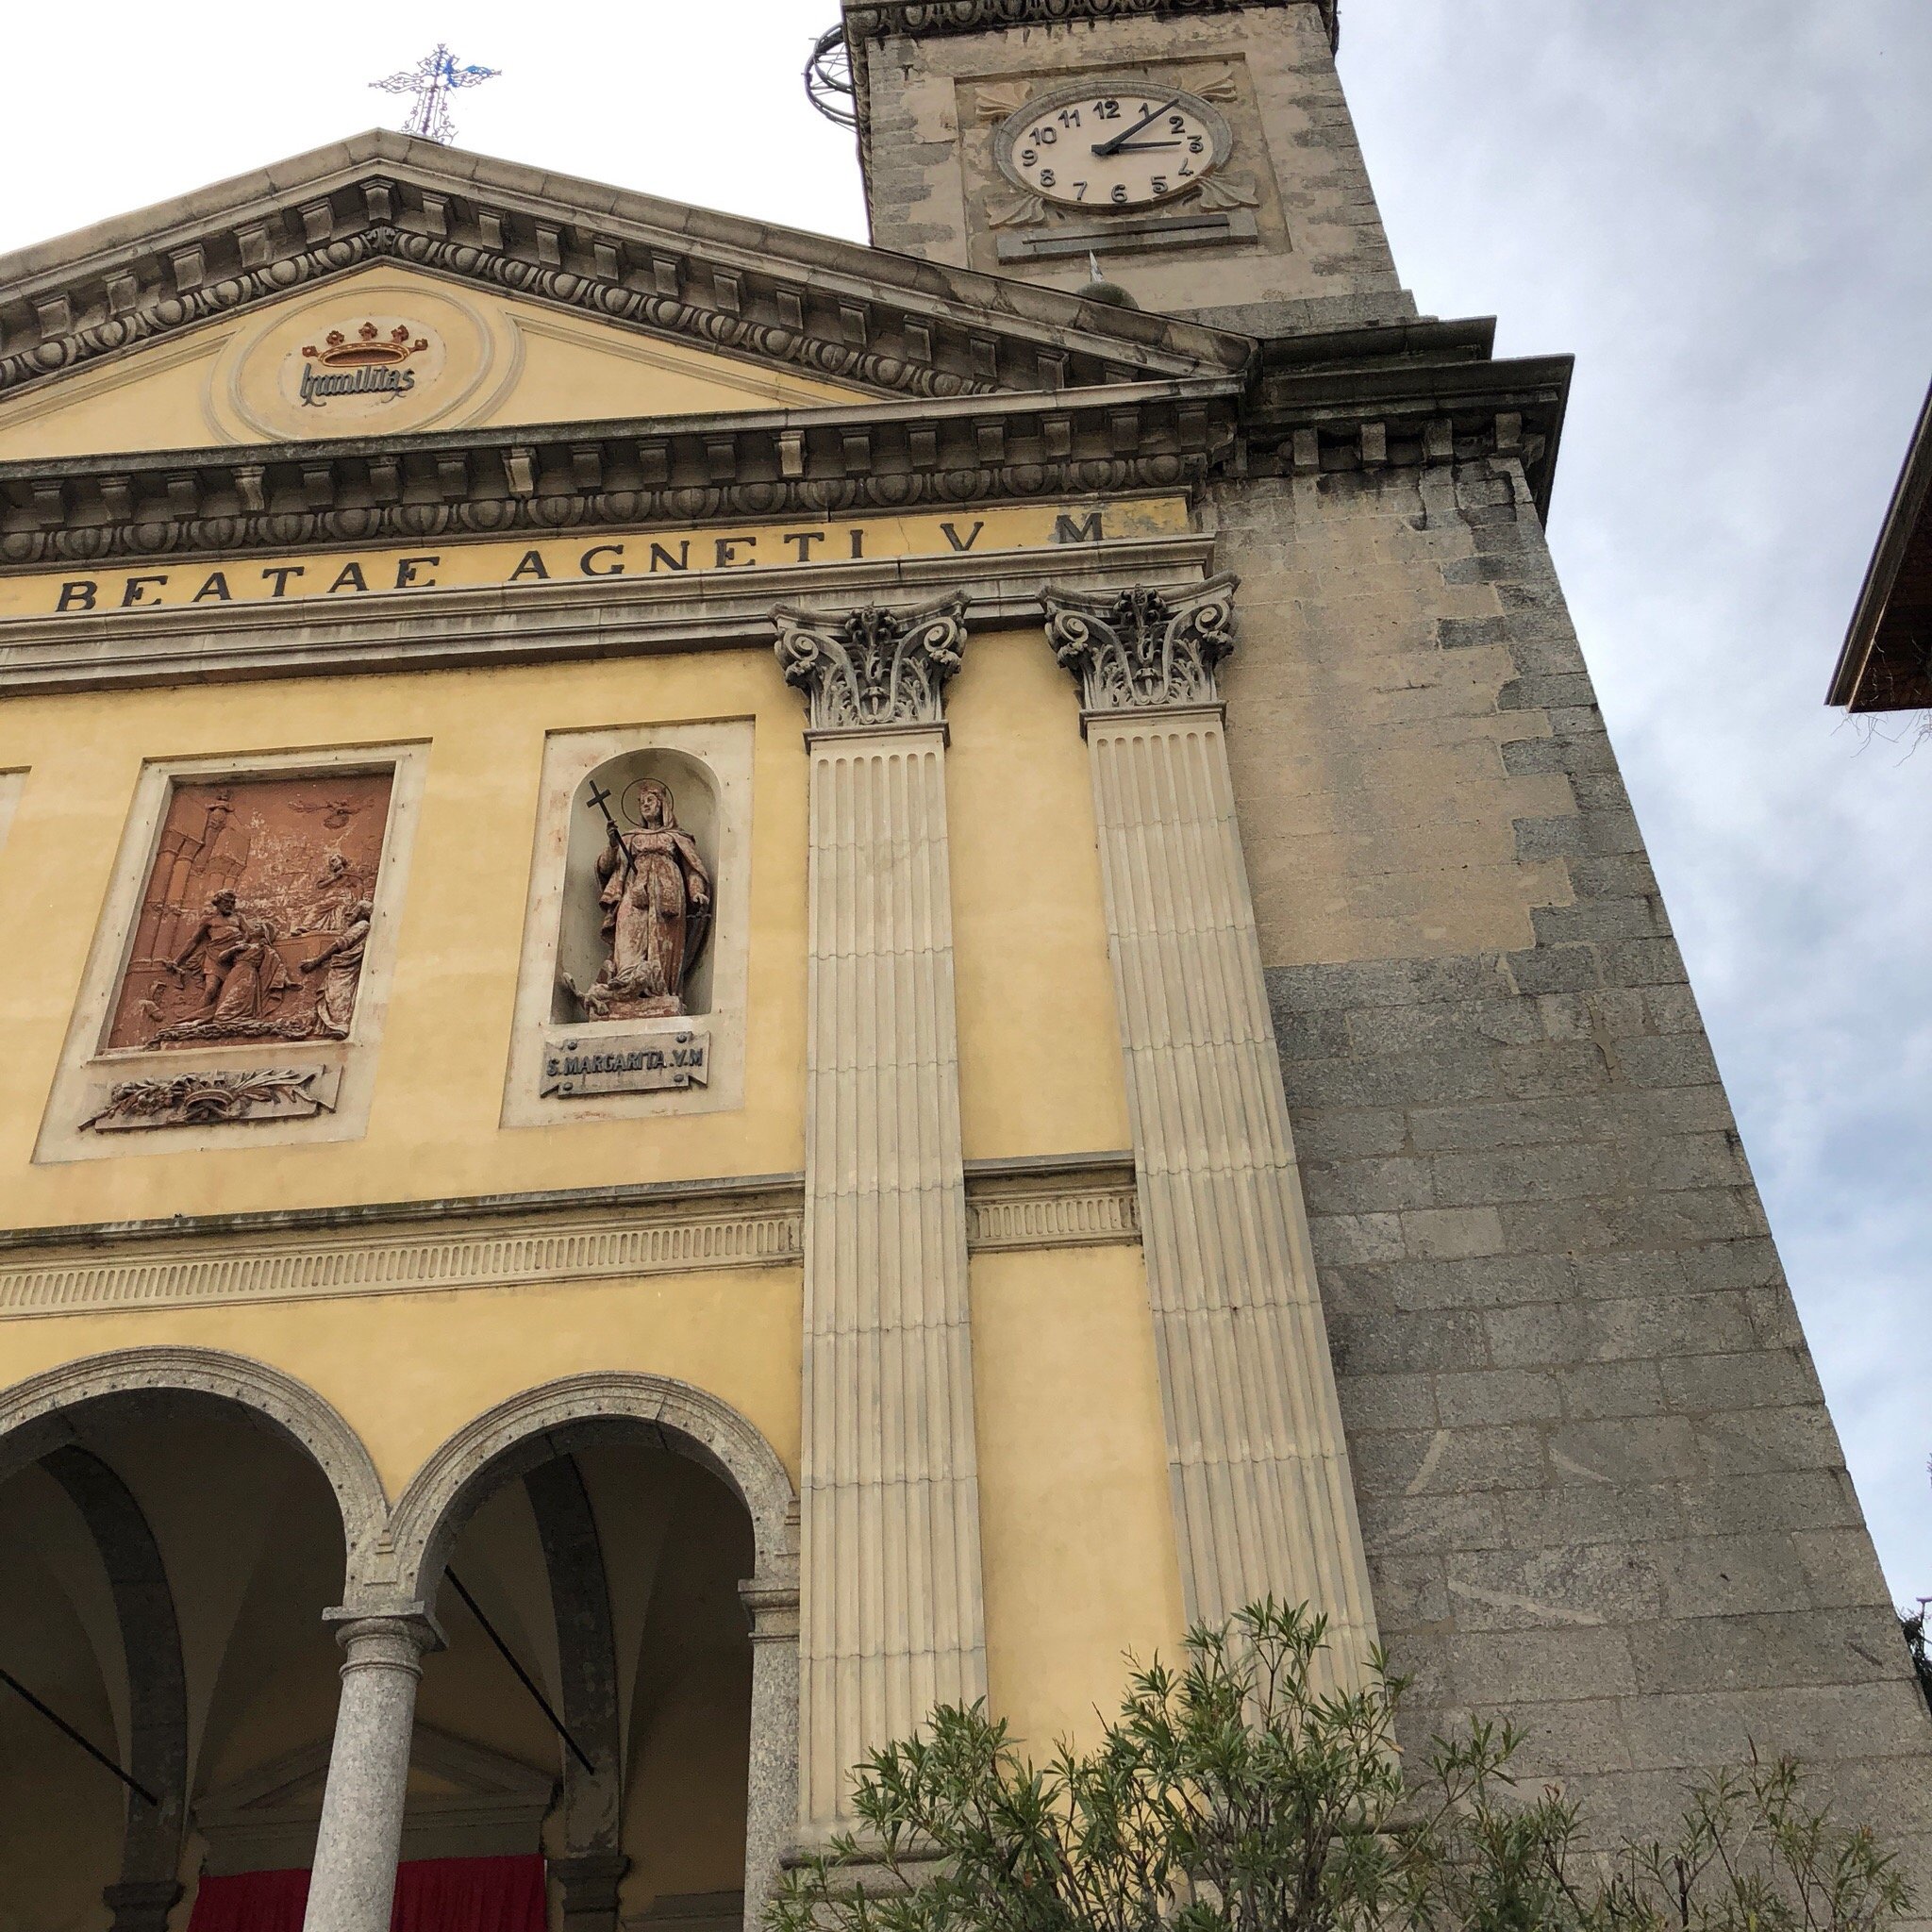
x=1598, y=1485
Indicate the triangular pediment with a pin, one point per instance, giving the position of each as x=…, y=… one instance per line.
x=465, y=1800
x=388, y=350
x=497, y=296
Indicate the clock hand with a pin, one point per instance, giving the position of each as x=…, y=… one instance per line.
x=1144, y=147
x=1120, y=139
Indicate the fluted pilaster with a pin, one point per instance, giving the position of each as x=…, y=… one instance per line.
x=1262, y=1497
x=890, y=1616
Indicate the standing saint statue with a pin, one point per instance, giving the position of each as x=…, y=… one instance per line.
x=656, y=899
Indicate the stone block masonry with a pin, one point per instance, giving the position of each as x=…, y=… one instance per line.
x=1598, y=1487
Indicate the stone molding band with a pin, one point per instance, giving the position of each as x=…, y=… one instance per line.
x=705, y=291
x=364, y=492
x=630, y=616
x=874, y=19
x=1009, y=1207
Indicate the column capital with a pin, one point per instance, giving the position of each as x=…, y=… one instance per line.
x=872, y=668
x=1144, y=649
x=398, y=1635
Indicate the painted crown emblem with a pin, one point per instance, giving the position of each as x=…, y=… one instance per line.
x=368, y=346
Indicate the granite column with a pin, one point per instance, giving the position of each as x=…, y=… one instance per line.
x=354, y=1878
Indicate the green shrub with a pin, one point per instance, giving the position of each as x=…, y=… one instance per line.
x=1228, y=1797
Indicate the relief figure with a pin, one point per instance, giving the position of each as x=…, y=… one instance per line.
x=256, y=914
x=655, y=898
x=339, y=962
x=243, y=976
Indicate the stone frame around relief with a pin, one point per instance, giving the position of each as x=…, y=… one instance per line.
x=708, y=764
x=309, y=1090
x=11, y=785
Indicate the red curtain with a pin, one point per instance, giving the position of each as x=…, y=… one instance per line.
x=251, y=1902
x=432, y=1895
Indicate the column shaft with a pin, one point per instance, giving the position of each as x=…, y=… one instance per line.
x=354, y=1880
x=893, y=1620
x=771, y=1807
x=1263, y=1501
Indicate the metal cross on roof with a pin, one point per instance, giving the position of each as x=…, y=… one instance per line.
x=432, y=80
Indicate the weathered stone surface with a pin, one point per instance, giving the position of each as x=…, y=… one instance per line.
x=1597, y=1482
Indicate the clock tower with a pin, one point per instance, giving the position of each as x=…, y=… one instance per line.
x=1200, y=150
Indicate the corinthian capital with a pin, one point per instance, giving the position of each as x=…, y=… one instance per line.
x=875, y=666
x=1142, y=648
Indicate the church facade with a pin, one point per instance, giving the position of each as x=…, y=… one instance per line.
x=776, y=980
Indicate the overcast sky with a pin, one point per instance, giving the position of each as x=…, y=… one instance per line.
x=1722, y=208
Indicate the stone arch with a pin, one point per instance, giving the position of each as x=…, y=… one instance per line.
x=549, y=1422
x=34, y=1420
x=551, y=1419
x=142, y=1896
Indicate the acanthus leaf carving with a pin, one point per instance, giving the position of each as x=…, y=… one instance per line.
x=1141, y=648
x=875, y=666
x=1014, y=211
x=995, y=101
x=1228, y=190
x=210, y=1099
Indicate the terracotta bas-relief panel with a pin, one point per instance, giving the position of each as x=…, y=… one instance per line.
x=255, y=919
x=241, y=970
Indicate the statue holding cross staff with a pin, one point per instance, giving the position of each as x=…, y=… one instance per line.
x=656, y=894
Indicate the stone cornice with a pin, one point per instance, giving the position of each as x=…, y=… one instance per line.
x=496, y=482
x=514, y=1241
x=1421, y=394
x=824, y=307
x=874, y=19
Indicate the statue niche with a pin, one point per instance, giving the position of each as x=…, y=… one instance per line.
x=654, y=901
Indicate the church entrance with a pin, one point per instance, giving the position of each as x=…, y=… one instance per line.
x=581, y=1753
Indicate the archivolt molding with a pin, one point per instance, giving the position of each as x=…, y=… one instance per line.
x=549, y=1421
x=37, y=1414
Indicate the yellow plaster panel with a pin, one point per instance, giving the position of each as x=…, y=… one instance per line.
x=1039, y=1055
x=406, y=1372
x=574, y=371
x=1076, y=1522
x=463, y=356
x=433, y=1127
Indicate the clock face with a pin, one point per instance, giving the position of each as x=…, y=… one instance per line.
x=1101, y=148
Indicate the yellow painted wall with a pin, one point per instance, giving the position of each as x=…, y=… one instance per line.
x=1075, y=1519
x=433, y=1129
x=1039, y=1056
x=1040, y=1059
x=407, y=1371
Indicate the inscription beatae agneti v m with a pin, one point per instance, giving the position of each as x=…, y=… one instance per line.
x=342, y=577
